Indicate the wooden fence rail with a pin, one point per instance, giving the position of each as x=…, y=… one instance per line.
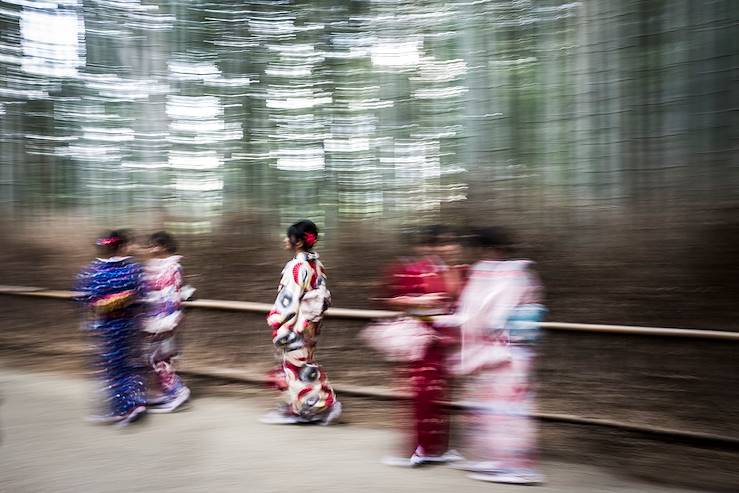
x=249, y=306
x=228, y=374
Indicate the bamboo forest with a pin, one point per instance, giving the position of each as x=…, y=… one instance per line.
x=604, y=132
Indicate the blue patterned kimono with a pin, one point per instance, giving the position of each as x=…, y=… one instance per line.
x=111, y=289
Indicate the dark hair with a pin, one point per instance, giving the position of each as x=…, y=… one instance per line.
x=164, y=240
x=435, y=234
x=111, y=242
x=304, y=230
x=491, y=237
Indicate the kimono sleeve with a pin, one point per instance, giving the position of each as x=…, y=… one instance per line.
x=178, y=285
x=82, y=286
x=400, y=279
x=138, y=283
x=534, y=288
x=292, y=287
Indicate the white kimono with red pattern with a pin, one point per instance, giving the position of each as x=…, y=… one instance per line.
x=499, y=314
x=163, y=279
x=296, y=321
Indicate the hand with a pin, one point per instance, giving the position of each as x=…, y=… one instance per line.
x=431, y=300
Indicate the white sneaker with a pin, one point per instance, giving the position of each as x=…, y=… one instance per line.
x=509, y=477
x=395, y=461
x=103, y=419
x=281, y=416
x=428, y=459
x=332, y=415
x=452, y=455
x=158, y=400
x=180, y=397
x=418, y=459
x=476, y=466
x=132, y=416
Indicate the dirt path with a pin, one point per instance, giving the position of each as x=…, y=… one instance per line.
x=217, y=445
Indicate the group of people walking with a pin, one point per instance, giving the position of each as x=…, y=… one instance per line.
x=477, y=324
x=132, y=313
x=474, y=324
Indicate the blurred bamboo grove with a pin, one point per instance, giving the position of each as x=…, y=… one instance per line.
x=576, y=120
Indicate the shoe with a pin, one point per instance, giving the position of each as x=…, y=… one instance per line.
x=180, y=397
x=103, y=419
x=452, y=456
x=282, y=416
x=158, y=400
x=394, y=461
x=476, y=466
x=419, y=459
x=132, y=416
x=332, y=415
x=510, y=477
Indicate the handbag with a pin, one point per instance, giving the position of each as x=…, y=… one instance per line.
x=400, y=339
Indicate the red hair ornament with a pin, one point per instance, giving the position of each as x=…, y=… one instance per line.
x=108, y=241
x=310, y=239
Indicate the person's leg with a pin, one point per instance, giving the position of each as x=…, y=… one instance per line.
x=292, y=388
x=174, y=392
x=104, y=412
x=310, y=398
x=311, y=393
x=508, y=429
x=282, y=414
x=125, y=384
x=431, y=417
x=429, y=385
x=166, y=376
x=477, y=423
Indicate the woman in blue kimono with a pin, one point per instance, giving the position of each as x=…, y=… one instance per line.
x=111, y=289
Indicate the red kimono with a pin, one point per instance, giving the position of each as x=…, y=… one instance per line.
x=428, y=376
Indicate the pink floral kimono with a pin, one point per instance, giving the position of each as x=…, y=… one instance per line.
x=499, y=314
